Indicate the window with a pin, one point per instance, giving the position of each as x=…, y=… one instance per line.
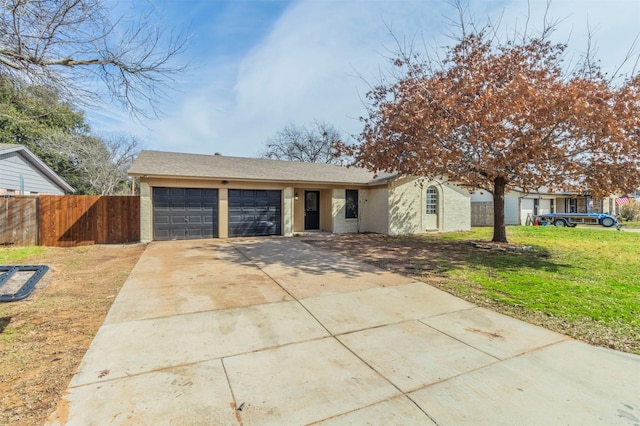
x=351, y=210
x=432, y=200
x=571, y=205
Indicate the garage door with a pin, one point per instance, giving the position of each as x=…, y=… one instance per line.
x=254, y=213
x=184, y=213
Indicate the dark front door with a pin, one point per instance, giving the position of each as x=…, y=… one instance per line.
x=312, y=210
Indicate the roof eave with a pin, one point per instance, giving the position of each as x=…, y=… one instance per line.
x=262, y=180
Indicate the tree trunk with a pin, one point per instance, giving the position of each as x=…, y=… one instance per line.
x=499, y=230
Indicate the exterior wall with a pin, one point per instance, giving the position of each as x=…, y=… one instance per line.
x=455, y=209
x=512, y=208
x=19, y=176
x=526, y=210
x=287, y=212
x=298, y=209
x=375, y=210
x=407, y=204
x=585, y=204
x=338, y=211
x=146, y=213
x=527, y=207
x=223, y=212
x=398, y=208
x=326, y=207
x=405, y=207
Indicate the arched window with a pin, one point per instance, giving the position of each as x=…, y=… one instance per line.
x=432, y=200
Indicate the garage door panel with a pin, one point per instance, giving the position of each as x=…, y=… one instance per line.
x=254, y=212
x=185, y=213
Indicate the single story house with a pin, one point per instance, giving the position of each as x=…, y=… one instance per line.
x=520, y=206
x=185, y=196
x=22, y=173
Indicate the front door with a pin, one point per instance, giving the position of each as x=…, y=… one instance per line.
x=311, y=210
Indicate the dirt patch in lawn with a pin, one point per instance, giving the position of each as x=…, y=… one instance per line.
x=408, y=256
x=430, y=260
x=44, y=337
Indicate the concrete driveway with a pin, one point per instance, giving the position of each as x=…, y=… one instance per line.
x=274, y=331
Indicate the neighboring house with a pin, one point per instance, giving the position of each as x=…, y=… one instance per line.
x=22, y=173
x=186, y=196
x=519, y=205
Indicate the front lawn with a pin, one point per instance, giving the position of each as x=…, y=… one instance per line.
x=583, y=282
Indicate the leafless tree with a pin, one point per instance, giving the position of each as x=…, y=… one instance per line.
x=315, y=144
x=76, y=48
x=101, y=164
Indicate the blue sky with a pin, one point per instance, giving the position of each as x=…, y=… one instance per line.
x=259, y=65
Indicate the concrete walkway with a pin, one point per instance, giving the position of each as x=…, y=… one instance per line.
x=273, y=331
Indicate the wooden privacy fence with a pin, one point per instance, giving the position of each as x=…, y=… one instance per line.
x=73, y=220
x=19, y=220
x=482, y=213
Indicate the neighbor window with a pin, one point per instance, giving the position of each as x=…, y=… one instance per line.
x=432, y=200
x=351, y=210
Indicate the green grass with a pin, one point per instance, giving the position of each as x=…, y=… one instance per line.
x=15, y=255
x=585, y=281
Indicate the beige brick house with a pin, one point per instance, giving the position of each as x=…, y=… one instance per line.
x=188, y=196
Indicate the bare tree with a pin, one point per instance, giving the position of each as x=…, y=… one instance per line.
x=101, y=164
x=316, y=144
x=66, y=45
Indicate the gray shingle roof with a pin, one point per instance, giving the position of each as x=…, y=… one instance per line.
x=158, y=163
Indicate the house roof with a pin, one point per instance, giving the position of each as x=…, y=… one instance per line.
x=6, y=148
x=171, y=164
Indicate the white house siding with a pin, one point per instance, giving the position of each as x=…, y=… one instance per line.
x=526, y=209
x=407, y=204
x=287, y=211
x=338, y=212
x=512, y=207
x=405, y=207
x=13, y=166
x=481, y=196
x=146, y=213
x=455, y=209
x=376, y=210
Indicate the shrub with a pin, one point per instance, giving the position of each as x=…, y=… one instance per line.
x=630, y=212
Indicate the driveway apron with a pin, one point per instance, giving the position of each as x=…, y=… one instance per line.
x=275, y=331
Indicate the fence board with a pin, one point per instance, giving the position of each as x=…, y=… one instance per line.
x=482, y=213
x=18, y=221
x=75, y=220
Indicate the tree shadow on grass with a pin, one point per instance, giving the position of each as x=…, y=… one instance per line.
x=423, y=255
x=4, y=322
